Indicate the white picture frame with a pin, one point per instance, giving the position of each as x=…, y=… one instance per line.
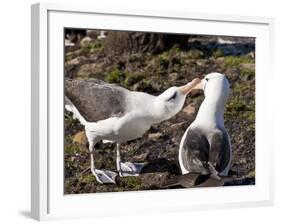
x=48, y=201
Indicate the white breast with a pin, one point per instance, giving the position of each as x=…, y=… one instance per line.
x=120, y=129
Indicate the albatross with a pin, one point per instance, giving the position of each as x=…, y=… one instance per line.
x=112, y=113
x=205, y=149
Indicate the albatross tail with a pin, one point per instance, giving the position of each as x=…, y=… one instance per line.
x=71, y=108
x=195, y=180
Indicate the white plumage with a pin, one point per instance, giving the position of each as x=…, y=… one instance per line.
x=113, y=113
x=205, y=147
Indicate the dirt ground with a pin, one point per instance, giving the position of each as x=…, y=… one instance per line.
x=141, y=70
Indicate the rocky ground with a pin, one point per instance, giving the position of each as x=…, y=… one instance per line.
x=139, y=68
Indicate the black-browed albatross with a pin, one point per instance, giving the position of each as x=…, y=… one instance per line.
x=205, y=149
x=113, y=113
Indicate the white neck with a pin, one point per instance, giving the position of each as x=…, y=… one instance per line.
x=211, y=113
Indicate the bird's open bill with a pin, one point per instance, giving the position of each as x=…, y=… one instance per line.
x=189, y=86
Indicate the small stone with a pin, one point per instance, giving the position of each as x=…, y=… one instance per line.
x=251, y=55
x=92, y=33
x=85, y=41
x=189, y=109
x=177, y=125
x=77, y=60
x=80, y=138
x=155, y=136
x=140, y=157
x=74, y=62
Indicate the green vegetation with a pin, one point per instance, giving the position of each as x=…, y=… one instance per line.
x=236, y=105
x=234, y=61
x=69, y=120
x=68, y=56
x=247, y=74
x=132, y=182
x=115, y=76
x=128, y=79
x=153, y=73
x=132, y=78
x=90, y=48
x=88, y=178
x=70, y=149
x=218, y=53
x=169, y=56
x=241, y=107
x=195, y=54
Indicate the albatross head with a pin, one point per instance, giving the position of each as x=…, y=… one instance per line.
x=172, y=100
x=215, y=87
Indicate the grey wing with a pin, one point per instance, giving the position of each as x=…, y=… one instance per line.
x=219, y=152
x=96, y=100
x=205, y=151
x=194, y=153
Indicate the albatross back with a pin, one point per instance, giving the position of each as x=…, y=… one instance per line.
x=96, y=100
x=205, y=151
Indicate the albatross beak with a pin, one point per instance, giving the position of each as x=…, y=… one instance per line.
x=189, y=86
x=200, y=85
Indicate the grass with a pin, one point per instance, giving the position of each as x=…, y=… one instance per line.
x=239, y=107
x=195, y=54
x=127, y=79
x=115, y=76
x=171, y=55
x=150, y=73
x=90, y=48
x=132, y=78
x=247, y=73
x=132, y=182
x=218, y=53
x=68, y=56
x=70, y=148
x=70, y=120
x=234, y=61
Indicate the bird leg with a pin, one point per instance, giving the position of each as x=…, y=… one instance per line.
x=127, y=168
x=102, y=176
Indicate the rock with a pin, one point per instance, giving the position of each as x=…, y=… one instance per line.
x=178, y=125
x=251, y=55
x=155, y=136
x=140, y=157
x=134, y=42
x=80, y=138
x=68, y=43
x=85, y=41
x=189, y=109
x=76, y=61
x=92, y=33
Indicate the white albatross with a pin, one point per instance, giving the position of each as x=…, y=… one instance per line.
x=205, y=149
x=113, y=113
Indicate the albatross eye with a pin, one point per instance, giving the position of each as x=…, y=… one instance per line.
x=207, y=79
x=173, y=96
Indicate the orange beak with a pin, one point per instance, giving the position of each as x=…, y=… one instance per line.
x=200, y=85
x=189, y=86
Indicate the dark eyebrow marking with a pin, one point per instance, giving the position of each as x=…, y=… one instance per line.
x=173, y=96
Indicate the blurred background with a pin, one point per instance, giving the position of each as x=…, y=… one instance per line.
x=153, y=62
